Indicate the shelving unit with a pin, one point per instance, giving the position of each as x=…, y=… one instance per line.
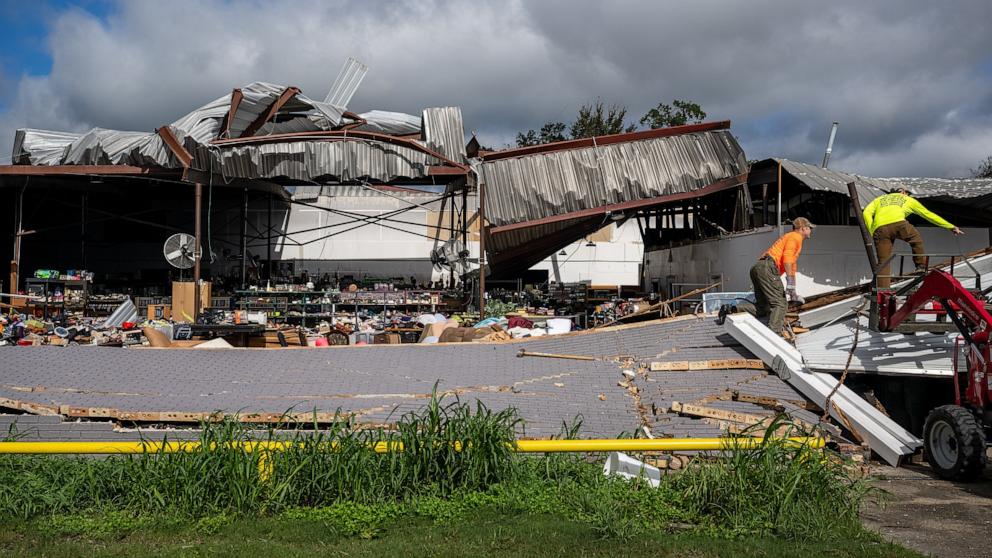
x=311, y=306
x=55, y=293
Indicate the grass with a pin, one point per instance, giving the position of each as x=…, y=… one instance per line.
x=456, y=474
x=487, y=534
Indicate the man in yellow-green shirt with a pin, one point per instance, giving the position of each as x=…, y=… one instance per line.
x=885, y=218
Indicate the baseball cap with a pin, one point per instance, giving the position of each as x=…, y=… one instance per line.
x=800, y=222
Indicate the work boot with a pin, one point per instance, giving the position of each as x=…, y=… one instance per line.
x=721, y=316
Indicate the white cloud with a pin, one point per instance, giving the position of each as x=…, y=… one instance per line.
x=901, y=77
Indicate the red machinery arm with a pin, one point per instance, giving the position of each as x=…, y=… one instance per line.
x=941, y=286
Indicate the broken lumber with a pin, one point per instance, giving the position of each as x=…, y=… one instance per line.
x=724, y=364
x=719, y=414
x=526, y=353
x=888, y=439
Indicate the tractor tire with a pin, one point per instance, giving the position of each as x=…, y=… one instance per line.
x=954, y=443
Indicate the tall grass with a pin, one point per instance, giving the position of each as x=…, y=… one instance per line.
x=456, y=459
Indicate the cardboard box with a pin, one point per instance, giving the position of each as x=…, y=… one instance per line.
x=183, y=302
x=387, y=339
x=159, y=311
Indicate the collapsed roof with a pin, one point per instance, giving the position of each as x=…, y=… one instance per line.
x=976, y=191
x=268, y=131
x=541, y=198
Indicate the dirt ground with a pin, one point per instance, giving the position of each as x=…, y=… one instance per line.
x=933, y=516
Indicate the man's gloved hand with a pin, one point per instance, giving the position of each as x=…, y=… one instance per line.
x=790, y=291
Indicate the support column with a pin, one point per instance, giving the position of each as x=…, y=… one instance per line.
x=482, y=250
x=465, y=225
x=244, y=240
x=451, y=237
x=778, y=212
x=197, y=251
x=268, y=241
x=82, y=233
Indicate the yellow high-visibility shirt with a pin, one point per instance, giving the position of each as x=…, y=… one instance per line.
x=892, y=208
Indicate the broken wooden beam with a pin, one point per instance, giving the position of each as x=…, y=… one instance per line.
x=723, y=364
x=526, y=353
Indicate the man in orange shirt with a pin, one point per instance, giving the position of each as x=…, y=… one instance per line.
x=766, y=275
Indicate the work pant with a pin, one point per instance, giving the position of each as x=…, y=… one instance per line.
x=769, y=295
x=885, y=235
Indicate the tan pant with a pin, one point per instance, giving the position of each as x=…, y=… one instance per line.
x=885, y=235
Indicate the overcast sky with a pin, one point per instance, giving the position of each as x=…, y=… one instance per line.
x=909, y=81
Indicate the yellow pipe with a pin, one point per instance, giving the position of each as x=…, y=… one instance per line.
x=521, y=446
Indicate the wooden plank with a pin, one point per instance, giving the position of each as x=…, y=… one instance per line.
x=719, y=414
x=723, y=364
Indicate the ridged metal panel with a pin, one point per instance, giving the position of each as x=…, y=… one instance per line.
x=355, y=191
x=41, y=147
x=920, y=354
x=337, y=160
x=536, y=186
x=444, y=132
x=386, y=122
x=347, y=82
x=869, y=188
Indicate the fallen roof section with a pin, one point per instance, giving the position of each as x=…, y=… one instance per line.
x=377, y=383
x=541, y=198
x=889, y=353
x=886, y=438
x=261, y=131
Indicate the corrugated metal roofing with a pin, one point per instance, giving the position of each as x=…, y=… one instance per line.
x=444, y=132
x=920, y=354
x=395, y=123
x=869, y=188
x=313, y=159
x=532, y=187
x=355, y=191
x=41, y=147
x=319, y=160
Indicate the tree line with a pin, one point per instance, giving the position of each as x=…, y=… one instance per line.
x=596, y=119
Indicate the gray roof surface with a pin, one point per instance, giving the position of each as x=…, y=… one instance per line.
x=377, y=382
x=975, y=189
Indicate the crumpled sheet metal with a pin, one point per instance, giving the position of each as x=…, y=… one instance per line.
x=444, y=132
x=41, y=147
x=320, y=160
x=387, y=122
x=126, y=312
x=533, y=187
x=829, y=180
x=300, y=159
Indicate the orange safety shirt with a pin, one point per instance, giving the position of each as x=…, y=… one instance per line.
x=786, y=250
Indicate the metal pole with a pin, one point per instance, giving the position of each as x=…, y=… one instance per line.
x=244, y=240
x=197, y=252
x=82, y=233
x=830, y=145
x=268, y=241
x=852, y=190
x=779, y=210
x=451, y=236
x=465, y=225
x=482, y=250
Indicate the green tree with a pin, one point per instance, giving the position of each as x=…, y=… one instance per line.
x=596, y=120
x=984, y=169
x=679, y=113
x=550, y=133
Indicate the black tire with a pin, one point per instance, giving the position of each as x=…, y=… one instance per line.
x=954, y=443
